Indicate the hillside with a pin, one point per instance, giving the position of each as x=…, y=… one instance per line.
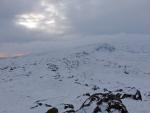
x=37, y=82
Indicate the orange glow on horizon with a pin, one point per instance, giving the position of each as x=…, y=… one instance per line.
x=6, y=55
x=3, y=55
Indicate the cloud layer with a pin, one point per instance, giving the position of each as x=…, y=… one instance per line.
x=23, y=21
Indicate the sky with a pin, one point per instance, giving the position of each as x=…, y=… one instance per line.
x=28, y=26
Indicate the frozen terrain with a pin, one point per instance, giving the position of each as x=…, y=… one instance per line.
x=34, y=83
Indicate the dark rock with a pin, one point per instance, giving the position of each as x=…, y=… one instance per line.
x=106, y=47
x=112, y=100
x=116, y=105
x=47, y=105
x=70, y=76
x=87, y=94
x=68, y=106
x=119, y=90
x=95, y=88
x=52, y=67
x=40, y=104
x=97, y=109
x=86, y=85
x=81, y=54
x=126, y=72
x=52, y=110
x=137, y=96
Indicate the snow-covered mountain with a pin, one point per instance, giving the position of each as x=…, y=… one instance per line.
x=68, y=76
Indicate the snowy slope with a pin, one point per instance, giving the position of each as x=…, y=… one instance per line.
x=58, y=77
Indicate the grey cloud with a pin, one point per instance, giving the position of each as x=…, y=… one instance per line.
x=84, y=17
x=88, y=17
x=107, y=17
x=8, y=9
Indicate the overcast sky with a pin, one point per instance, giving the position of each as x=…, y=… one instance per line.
x=26, y=22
